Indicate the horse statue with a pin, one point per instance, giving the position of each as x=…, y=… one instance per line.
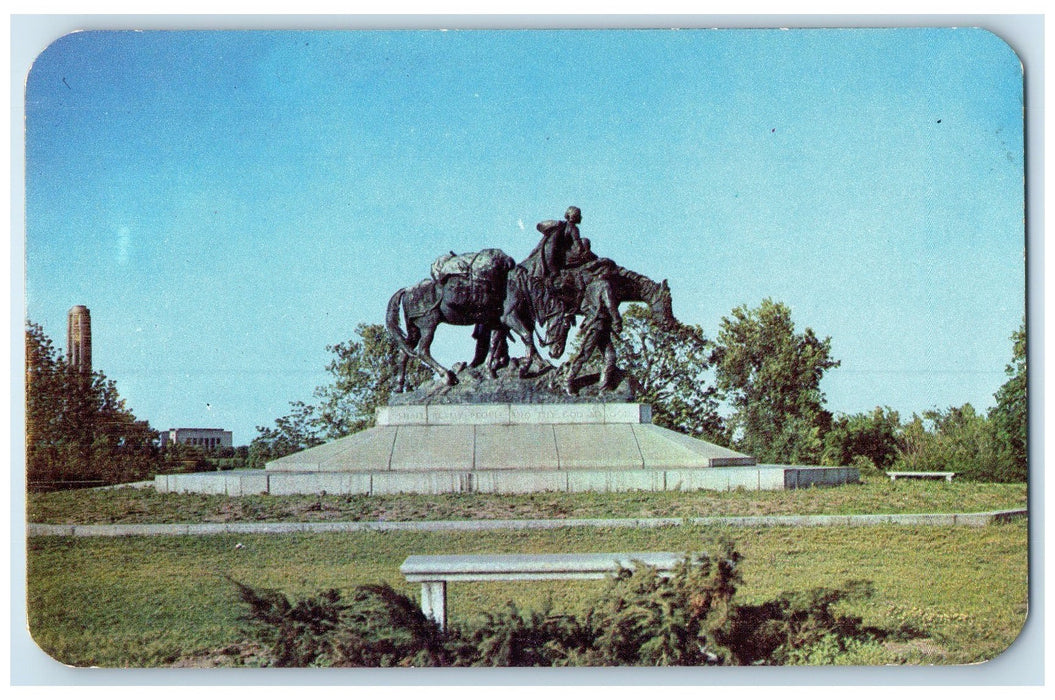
x=477, y=295
x=595, y=290
x=489, y=291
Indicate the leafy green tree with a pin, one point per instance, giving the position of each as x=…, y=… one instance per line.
x=297, y=431
x=78, y=429
x=771, y=375
x=977, y=447
x=363, y=373
x=864, y=438
x=670, y=368
x=45, y=400
x=957, y=439
x=1009, y=418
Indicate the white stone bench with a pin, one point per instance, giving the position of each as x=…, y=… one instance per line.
x=894, y=476
x=435, y=571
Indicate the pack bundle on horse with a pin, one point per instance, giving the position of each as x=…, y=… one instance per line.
x=479, y=277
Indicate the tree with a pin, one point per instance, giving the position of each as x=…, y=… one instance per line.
x=1009, y=418
x=864, y=438
x=363, y=374
x=977, y=447
x=670, y=367
x=771, y=375
x=957, y=439
x=78, y=428
x=45, y=399
x=297, y=431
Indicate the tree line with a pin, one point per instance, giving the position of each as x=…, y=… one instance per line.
x=78, y=430
x=80, y=433
x=754, y=388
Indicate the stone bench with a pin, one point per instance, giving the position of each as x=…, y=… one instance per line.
x=433, y=572
x=894, y=476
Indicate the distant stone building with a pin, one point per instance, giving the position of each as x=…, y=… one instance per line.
x=79, y=339
x=205, y=438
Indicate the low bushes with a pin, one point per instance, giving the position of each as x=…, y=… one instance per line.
x=689, y=618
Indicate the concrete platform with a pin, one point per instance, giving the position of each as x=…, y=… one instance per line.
x=509, y=448
x=506, y=481
x=532, y=437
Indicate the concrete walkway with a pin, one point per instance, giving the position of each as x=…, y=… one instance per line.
x=938, y=519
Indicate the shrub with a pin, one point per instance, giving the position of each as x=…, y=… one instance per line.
x=687, y=618
x=299, y=634
x=643, y=618
x=379, y=627
x=796, y=627
x=523, y=638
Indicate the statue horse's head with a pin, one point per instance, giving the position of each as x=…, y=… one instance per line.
x=661, y=307
x=557, y=328
x=554, y=310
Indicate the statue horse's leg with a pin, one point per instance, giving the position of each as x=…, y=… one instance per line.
x=427, y=325
x=533, y=356
x=511, y=319
x=499, y=352
x=482, y=334
x=588, y=345
x=412, y=338
x=517, y=318
x=608, y=368
x=401, y=386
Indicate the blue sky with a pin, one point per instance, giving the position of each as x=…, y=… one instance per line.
x=228, y=204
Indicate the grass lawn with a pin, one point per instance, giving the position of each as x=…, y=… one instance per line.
x=128, y=505
x=161, y=601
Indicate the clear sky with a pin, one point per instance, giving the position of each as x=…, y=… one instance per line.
x=228, y=204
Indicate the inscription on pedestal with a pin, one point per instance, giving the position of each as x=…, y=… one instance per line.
x=515, y=414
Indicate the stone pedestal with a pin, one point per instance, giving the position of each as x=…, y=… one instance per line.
x=510, y=448
x=485, y=438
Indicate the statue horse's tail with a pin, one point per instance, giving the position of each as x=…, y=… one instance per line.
x=392, y=322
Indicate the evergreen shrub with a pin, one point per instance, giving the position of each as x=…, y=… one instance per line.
x=641, y=618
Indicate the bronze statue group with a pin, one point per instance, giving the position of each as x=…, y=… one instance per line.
x=561, y=279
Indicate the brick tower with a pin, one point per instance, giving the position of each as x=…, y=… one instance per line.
x=79, y=339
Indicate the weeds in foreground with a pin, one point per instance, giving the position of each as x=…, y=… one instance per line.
x=642, y=618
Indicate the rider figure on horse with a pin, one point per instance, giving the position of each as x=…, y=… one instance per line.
x=558, y=239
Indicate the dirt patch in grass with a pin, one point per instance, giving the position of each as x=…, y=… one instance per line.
x=240, y=655
x=913, y=650
x=230, y=511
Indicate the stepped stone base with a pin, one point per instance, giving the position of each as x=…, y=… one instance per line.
x=509, y=448
x=517, y=437
x=246, y=482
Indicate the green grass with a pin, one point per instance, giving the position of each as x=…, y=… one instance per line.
x=129, y=505
x=159, y=601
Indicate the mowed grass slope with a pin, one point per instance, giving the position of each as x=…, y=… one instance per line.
x=159, y=601
x=129, y=505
